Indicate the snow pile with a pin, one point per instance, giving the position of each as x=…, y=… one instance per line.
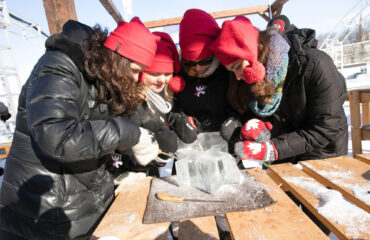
x=334, y=207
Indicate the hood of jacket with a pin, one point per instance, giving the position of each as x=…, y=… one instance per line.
x=300, y=41
x=70, y=41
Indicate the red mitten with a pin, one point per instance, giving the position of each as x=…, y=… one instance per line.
x=256, y=130
x=251, y=150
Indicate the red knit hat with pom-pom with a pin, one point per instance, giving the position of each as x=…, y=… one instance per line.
x=238, y=39
x=166, y=60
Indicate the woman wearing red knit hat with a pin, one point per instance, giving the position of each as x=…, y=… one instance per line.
x=287, y=82
x=160, y=80
x=206, y=80
x=56, y=184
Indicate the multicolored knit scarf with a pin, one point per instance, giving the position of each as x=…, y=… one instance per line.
x=276, y=70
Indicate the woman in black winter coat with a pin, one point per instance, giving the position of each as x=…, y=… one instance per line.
x=289, y=83
x=56, y=185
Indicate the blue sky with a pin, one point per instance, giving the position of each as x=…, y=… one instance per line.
x=321, y=15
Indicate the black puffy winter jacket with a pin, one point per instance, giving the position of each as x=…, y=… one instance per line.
x=56, y=185
x=310, y=122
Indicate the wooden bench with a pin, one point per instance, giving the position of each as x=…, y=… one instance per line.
x=316, y=180
x=282, y=220
x=363, y=157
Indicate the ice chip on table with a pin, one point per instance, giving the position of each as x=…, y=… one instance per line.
x=252, y=163
x=204, y=142
x=206, y=170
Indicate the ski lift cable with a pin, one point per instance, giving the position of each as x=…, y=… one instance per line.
x=28, y=23
x=21, y=20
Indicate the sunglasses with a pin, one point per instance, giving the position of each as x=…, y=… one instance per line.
x=202, y=62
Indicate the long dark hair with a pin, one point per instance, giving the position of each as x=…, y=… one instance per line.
x=240, y=93
x=115, y=85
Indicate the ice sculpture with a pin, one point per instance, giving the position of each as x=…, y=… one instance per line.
x=206, y=170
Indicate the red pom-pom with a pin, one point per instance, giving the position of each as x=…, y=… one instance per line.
x=177, y=84
x=254, y=73
x=268, y=125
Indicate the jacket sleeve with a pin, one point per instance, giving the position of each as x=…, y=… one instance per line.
x=325, y=94
x=55, y=120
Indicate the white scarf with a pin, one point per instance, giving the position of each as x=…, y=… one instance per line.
x=158, y=101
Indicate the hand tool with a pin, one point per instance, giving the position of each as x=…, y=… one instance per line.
x=170, y=198
x=170, y=155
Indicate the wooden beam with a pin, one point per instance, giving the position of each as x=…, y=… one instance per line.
x=112, y=10
x=216, y=15
x=277, y=7
x=278, y=3
x=58, y=12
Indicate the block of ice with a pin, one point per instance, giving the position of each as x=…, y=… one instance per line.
x=206, y=170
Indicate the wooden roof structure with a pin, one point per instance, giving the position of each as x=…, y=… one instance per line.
x=59, y=11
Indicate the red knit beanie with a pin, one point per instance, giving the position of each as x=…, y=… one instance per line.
x=238, y=39
x=133, y=41
x=198, y=30
x=166, y=60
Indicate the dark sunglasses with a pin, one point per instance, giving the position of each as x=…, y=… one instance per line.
x=202, y=62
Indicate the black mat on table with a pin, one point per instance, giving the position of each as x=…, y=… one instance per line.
x=247, y=195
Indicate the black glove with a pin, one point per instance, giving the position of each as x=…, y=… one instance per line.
x=167, y=140
x=184, y=126
x=5, y=116
x=230, y=128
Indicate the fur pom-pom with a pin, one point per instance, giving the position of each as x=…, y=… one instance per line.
x=254, y=73
x=177, y=84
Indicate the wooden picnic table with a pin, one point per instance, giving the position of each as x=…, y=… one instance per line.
x=282, y=220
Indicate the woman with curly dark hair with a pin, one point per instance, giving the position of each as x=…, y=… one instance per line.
x=69, y=121
x=286, y=81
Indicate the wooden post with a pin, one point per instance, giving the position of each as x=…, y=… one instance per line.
x=365, y=100
x=58, y=12
x=354, y=108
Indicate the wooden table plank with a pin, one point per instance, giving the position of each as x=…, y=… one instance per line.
x=301, y=184
x=365, y=157
x=282, y=220
x=124, y=217
x=344, y=174
x=201, y=228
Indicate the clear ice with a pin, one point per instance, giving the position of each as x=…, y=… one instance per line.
x=203, y=165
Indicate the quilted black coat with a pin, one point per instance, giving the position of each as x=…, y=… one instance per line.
x=310, y=122
x=56, y=185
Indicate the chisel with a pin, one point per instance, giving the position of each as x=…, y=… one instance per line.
x=170, y=198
